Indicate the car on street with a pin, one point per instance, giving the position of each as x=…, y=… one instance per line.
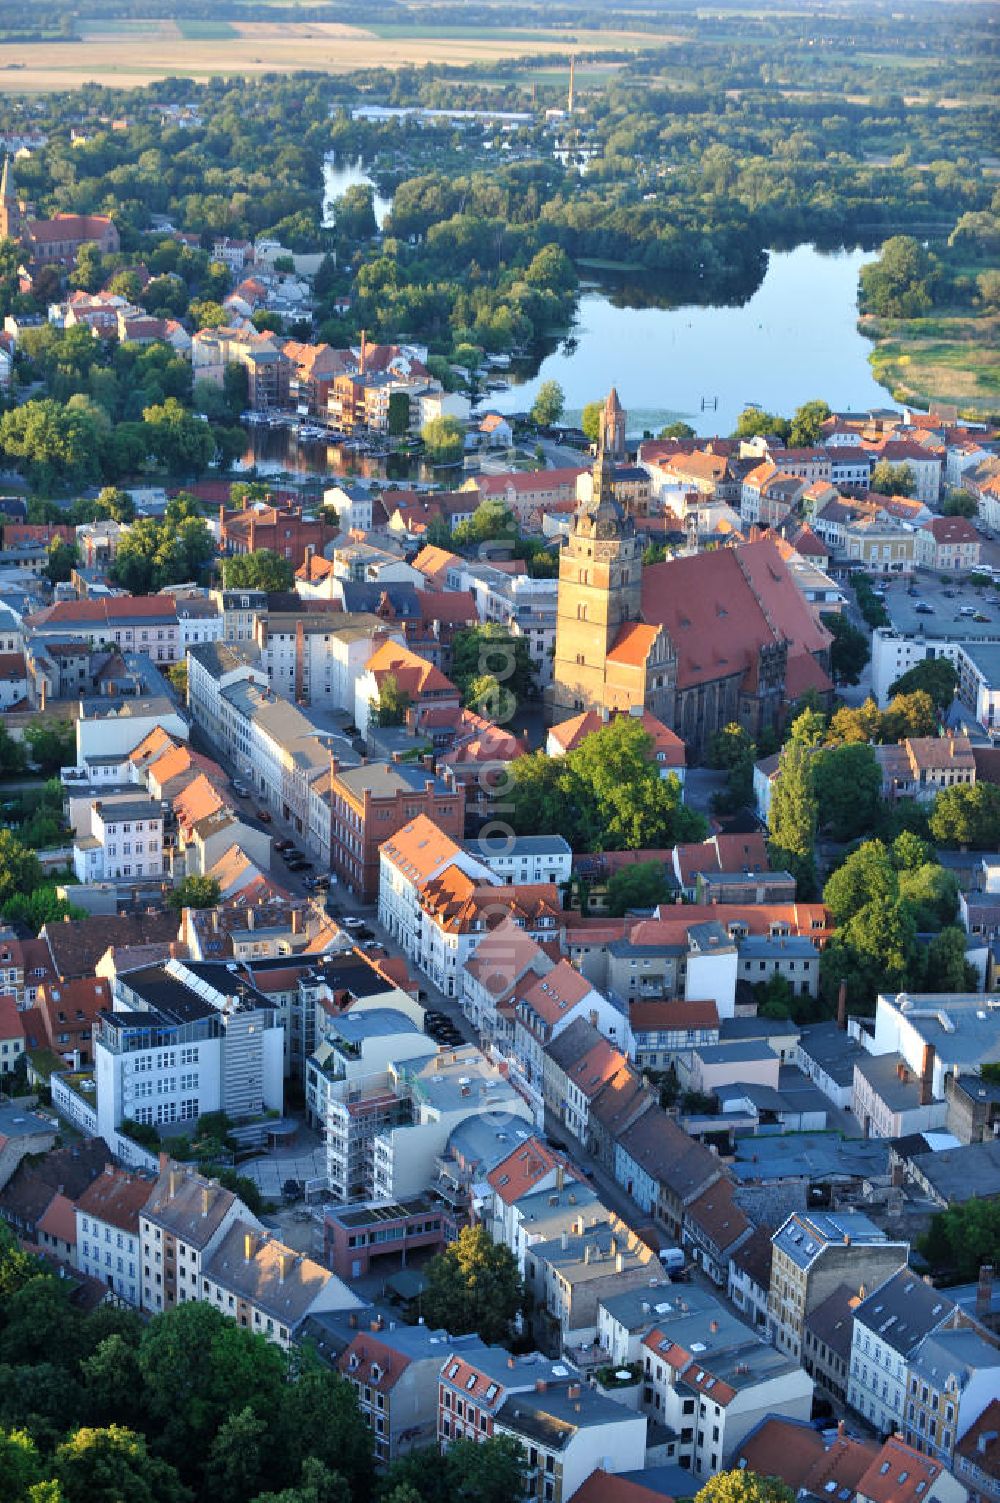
x=263, y=815
x=982, y=616
x=923, y=609
x=240, y=789
x=284, y=845
x=353, y=923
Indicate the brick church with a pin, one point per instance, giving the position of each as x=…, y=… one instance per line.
x=51, y=240
x=701, y=641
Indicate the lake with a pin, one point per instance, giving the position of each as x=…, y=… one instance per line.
x=338, y=176
x=794, y=339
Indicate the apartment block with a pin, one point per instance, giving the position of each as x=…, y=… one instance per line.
x=813, y=1253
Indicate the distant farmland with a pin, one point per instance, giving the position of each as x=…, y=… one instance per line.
x=128, y=53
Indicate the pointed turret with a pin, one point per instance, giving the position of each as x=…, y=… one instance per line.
x=10, y=209
x=613, y=427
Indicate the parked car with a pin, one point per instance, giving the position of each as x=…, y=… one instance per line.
x=923, y=609
x=284, y=845
x=240, y=789
x=353, y=923
x=263, y=816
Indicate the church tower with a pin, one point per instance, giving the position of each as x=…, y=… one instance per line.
x=600, y=586
x=11, y=224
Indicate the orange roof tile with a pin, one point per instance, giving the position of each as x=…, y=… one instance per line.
x=420, y=849
x=554, y=996
x=522, y=1169
x=58, y=1220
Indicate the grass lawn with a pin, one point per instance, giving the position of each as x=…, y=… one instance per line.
x=944, y=359
x=209, y=31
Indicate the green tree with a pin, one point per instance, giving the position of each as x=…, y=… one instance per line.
x=491, y=650
x=399, y=414
x=393, y=702
x=967, y=816
x=188, y=1401
x=959, y=503
x=235, y=1466
x=444, y=440
x=113, y=1384
x=962, y=1238
x=319, y=1421
x=181, y=442
x=473, y=1285
x=115, y=504
x=850, y=649
x=20, y=1465
x=945, y=966
x=354, y=213
x=109, y=1466
x=19, y=868
x=195, y=892
x=808, y=728
x=807, y=424
x=931, y=893
x=63, y=558
x=261, y=570
x=847, y=782
x=793, y=817
x=676, y=430
x=590, y=420
x=548, y=405
x=754, y=422
x=866, y=875
x=936, y=677
x=898, y=284
x=893, y=479
x=640, y=886
x=13, y=754
x=743, y=1487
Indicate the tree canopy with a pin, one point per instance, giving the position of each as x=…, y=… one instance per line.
x=473, y=1285
x=261, y=570
x=606, y=794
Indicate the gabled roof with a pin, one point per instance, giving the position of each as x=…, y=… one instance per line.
x=59, y=1219
x=414, y=675
x=117, y=1198
x=523, y=1169
x=420, y=849
x=553, y=997
x=899, y=1474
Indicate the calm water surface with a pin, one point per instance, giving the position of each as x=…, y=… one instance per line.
x=795, y=338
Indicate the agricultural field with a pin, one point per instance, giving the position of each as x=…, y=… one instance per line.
x=130, y=53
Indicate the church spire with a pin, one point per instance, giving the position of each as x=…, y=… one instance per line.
x=10, y=209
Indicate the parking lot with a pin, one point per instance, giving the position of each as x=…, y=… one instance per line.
x=952, y=607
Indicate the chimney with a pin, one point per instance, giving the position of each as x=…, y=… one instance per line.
x=578, y=1226
x=619, y=1262
x=248, y=1247
x=296, y=920
x=587, y=1252
x=540, y=1385
x=713, y=1326
x=172, y=1183
x=984, y=1290
x=512, y=1361
x=842, y=1007
x=573, y=1391
x=565, y=1240
x=286, y=1258
x=206, y=1199
x=841, y=1430
x=362, y=362
x=927, y=1076
x=560, y=1176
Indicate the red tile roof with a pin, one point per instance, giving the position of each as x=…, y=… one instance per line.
x=671, y=1015
x=898, y=1474
x=523, y=1169
x=58, y=1219
x=605, y=1487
